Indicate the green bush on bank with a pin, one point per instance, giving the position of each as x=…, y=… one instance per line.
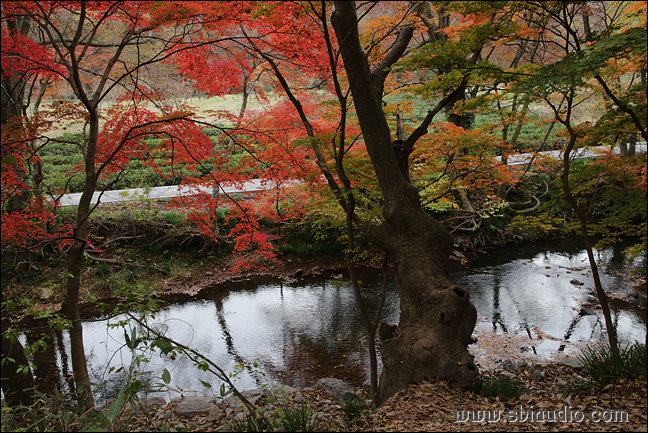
x=604, y=367
x=312, y=241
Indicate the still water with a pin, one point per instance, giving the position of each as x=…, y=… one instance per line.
x=301, y=331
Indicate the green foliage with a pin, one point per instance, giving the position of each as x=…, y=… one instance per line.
x=174, y=217
x=59, y=412
x=609, y=191
x=286, y=418
x=604, y=367
x=577, y=385
x=638, y=251
x=103, y=269
x=313, y=238
x=500, y=387
x=299, y=419
x=437, y=207
x=62, y=160
x=531, y=227
x=353, y=409
x=59, y=161
x=252, y=423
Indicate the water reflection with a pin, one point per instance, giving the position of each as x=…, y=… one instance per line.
x=523, y=291
x=297, y=333
x=303, y=331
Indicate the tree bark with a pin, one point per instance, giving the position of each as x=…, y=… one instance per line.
x=437, y=317
x=582, y=218
x=70, y=306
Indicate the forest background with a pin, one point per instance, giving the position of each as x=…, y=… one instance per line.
x=109, y=95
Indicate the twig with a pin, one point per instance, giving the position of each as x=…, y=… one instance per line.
x=219, y=373
x=115, y=262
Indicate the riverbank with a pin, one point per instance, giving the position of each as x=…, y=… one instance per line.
x=551, y=395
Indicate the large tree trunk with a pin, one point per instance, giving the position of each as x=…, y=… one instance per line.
x=70, y=305
x=437, y=317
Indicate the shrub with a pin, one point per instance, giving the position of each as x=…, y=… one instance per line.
x=60, y=412
x=532, y=228
x=603, y=367
x=286, y=419
x=174, y=217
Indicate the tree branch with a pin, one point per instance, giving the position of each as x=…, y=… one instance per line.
x=220, y=373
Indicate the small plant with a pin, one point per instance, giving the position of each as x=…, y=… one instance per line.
x=353, y=409
x=174, y=217
x=578, y=385
x=299, y=419
x=252, y=422
x=603, y=367
x=103, y=269
x=60, y=412
x=500, y=387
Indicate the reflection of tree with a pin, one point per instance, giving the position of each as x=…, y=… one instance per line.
x=497, y=314
x=68, y=378
x=570, y=331
x=498, y=319
x=305, y=360
x=16, y=386
x=577, y=319
x=327, y=344
x=46, y=372
x=229, y=341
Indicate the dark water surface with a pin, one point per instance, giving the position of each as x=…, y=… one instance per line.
x=309, y=329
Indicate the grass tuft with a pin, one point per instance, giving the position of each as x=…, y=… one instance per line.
x=603, y=367
x=500, y=387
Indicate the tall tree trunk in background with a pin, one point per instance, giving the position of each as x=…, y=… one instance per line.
x=437, y=317
x=632, y=145
x=70, y=306
x=582, y=218
x=34, y=144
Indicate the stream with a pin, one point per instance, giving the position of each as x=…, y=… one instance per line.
x=297, y=332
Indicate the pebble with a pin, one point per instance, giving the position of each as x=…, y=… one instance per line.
x=215, y=414
x=299, y=397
